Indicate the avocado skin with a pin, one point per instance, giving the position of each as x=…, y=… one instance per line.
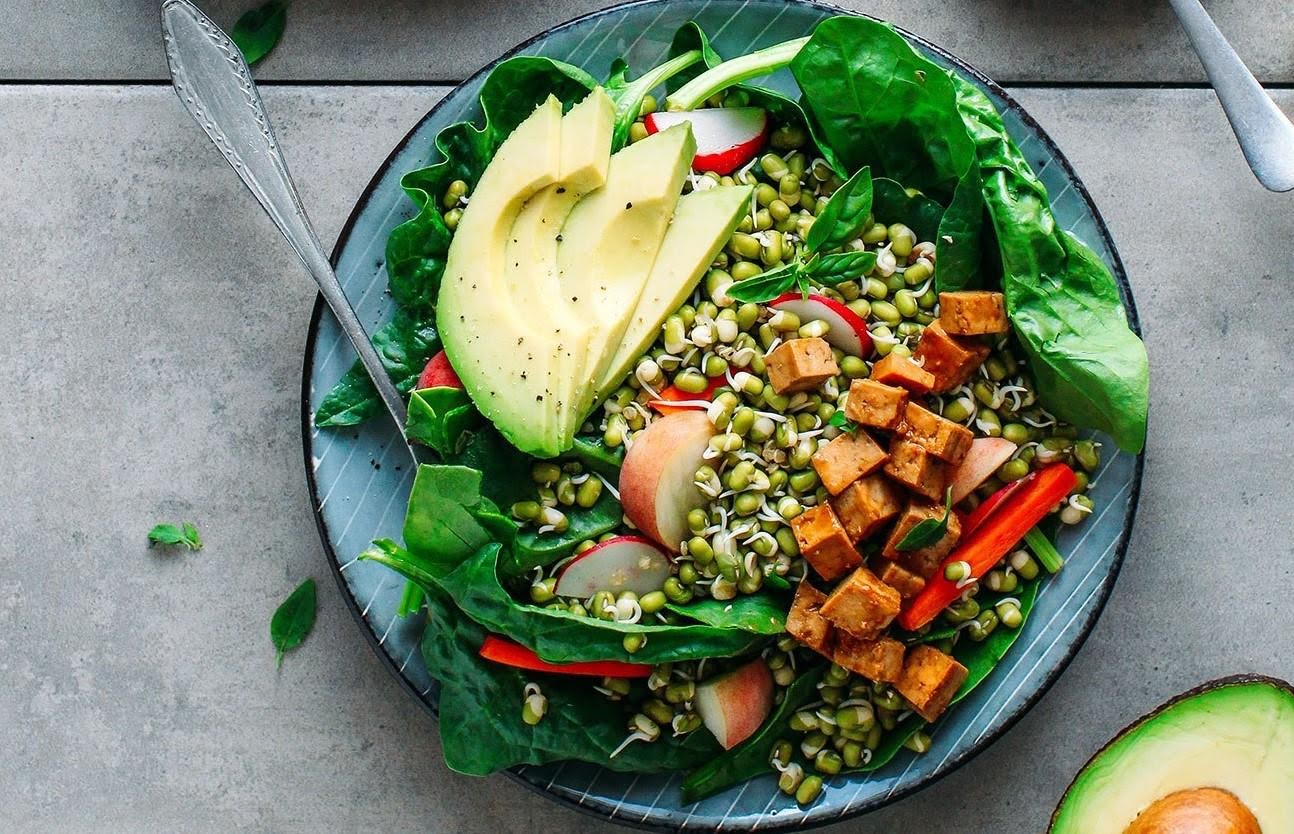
x=1209, y=686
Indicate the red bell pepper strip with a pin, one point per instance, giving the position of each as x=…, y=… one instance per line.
x=990, y=505
x=675, y=394
x=506, y=652
x=991, y=540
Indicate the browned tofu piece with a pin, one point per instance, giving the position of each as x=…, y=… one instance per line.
x=805, y=622
x=929, y=680
x=824, y=543
x=973, y=313
x=866, y=505
x=902, y=371
x=850, y=456
x=951, y=359
x=875, y=404
x=942, y=438
x=926, y=561
x=907, y=583
x=918, y=470
x=879, y=660
x=800, y=365
x=862, y=605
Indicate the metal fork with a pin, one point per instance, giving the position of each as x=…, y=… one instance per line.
x=212, y=80
x=1265, y=134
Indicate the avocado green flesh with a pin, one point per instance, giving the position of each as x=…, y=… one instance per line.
x=1238, y=737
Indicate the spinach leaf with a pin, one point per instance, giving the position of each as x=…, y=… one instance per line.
x=690, y=36
x=531, y=549
x=185, y=535
x=442, y=525
x=258, y=30
x=757, y=613
x=892, y=203
x=751, y=758
x=559, y=636
x=878, y=102
x=929, y=531
x=481, y=730
x=405, y=345
x=293, y=619
x=1089, y=367
x=844, y=216
x=505, y=469
x=598, y=457
x=830, y=270
x=981, y=658
x=438, y=417
x=767, y=286
x=628, y=95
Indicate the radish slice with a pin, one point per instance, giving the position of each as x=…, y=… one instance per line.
x=846, y=330
x=726, y=137
x=439, y=374
x=624, y=563
x=986, y=454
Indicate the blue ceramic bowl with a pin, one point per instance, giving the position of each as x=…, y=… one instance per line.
x=360, y=478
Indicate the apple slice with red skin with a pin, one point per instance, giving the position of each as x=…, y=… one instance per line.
x=622, y=563
x=845, y=329
x=656, y=478
x=734, y=705
x=439, y=374
x=986, y=456
x=726, y=137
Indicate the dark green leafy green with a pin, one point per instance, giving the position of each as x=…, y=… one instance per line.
x=443, y=525
x=928, y=532
x=411, y=598
x=767, y=286
x=404, y=345
x=293, y=620
x=876, y=101
x=981, y=658
x=891, y=203
x=1089, y=367
x=505, y=470
x=751, y=758
x=598, y=457
x=532, y=549
x=481, y=730
x=184, y=535
x=628, y=95
x=757, y=613
x=689, y=37
x=845, y=215
x=258, y=31
x=840, y=421
x=830, y=270
x=438, y=417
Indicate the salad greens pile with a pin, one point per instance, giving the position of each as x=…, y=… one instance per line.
x=917, y=144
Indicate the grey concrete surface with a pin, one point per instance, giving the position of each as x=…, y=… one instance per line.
x=154, y=325
x=437, y=41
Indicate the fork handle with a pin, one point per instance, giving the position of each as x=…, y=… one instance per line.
x=213, y=82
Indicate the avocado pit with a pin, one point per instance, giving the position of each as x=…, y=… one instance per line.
x=1196, y=811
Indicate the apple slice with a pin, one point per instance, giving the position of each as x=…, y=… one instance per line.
x=656, y=488
x=439, y=374
x=985, y=456
x=846, y=330
x=734, y=705
x=623, y=563
x=726, y=137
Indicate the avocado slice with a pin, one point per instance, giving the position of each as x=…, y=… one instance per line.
x=1222, y=753
x=703, y=222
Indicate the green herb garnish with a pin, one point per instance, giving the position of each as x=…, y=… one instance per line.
x=928, y=532
x=840, y=421
x=293, y=619
x=184, y=535
x=258, y=31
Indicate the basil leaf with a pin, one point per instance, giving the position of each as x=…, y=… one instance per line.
x=930, y=531
x=170, y=534
x=293, y=619
x=439, y=417
x=258, y=31
x=830, y=270
x=767, y=286
x=843, y=217
x=757, y=613
x=840, y=421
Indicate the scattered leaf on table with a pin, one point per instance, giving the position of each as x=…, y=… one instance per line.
x=293, y=619
x=185, y=535
x=258, y=31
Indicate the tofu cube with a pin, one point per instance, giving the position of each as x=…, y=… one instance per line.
x=862, y=605
x=800, y=365
x=951, y=359
x=879, y=660
x=926, y=561
x=850, y=456
x=929, y=680
x=918, y=470
x=875, y=404
x=824, y=543
x=805, y=622
x=973, y=313
x=907, y=583
x=867, y=505
x=942, y=438
x=902, y=371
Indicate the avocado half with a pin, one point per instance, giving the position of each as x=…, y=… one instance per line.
x=1218, y=759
